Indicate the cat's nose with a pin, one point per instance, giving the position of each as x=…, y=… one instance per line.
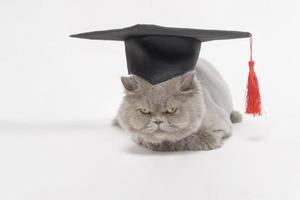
x=158, y=121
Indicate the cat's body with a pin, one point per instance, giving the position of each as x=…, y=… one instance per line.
x=190, y=112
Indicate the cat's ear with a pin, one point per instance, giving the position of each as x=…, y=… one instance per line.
x=130, y=83
x=187, y=82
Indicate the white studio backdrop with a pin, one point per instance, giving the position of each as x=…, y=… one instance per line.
x=58, y=96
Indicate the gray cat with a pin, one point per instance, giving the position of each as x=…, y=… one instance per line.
x=189, y=112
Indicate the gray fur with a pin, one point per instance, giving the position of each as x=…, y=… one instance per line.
x=189, y=112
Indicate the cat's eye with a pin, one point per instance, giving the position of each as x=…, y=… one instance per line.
x=144, y=111
x=171, y=110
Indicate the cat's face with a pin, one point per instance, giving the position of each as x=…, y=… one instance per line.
x=168, y=111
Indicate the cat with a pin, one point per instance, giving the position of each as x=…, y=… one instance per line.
x=193, y=111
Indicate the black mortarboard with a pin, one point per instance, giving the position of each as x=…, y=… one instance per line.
x=159, y=53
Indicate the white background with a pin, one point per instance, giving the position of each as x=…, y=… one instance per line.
x=58, y=96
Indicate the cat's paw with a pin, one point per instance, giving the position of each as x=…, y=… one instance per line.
x=208, y=141
x=164, y=146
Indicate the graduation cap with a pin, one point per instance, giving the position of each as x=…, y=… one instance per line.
x=158, y=53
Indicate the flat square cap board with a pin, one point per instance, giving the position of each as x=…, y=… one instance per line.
x=123, y=34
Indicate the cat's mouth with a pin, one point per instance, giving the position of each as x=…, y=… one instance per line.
x=154, y=130
x=159, y=130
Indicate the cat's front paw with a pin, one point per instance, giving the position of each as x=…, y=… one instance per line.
x=163, y=146
x=208, y=141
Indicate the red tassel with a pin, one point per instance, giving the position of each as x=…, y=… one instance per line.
x=253, y=101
